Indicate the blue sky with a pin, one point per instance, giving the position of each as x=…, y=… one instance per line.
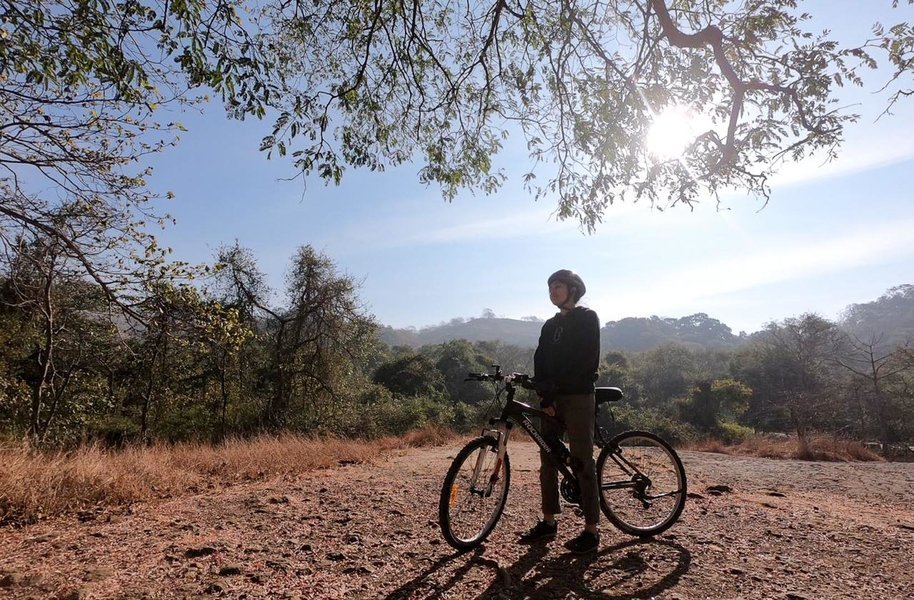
x=831, y=234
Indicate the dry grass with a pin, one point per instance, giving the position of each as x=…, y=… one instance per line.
x=819, y=447
x=35, y=485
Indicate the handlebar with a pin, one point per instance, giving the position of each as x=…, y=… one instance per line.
x=496, y=376
x=518, y=379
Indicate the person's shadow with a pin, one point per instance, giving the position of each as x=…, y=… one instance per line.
x=542, y=571
x=420, y=581
x=595, y=575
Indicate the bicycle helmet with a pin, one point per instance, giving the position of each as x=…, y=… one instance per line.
x=572, y=280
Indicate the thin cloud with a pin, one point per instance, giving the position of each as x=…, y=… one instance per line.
x=857, y=155
x=758, y=269
x=463, y=223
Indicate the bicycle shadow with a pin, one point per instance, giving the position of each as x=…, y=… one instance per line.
x=590, y=576
x=557, y=572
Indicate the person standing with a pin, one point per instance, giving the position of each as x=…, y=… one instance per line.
x=565, y=369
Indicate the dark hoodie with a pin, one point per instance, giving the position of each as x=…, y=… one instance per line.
x=568, y=354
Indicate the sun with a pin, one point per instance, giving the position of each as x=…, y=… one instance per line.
x=670, y=133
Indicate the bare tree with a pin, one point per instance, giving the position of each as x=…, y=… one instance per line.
x=314, y=340
x=797, y=357
x=876, y=366
x=44, y=287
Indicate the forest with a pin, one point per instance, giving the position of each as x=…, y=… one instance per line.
x=216, y=358
x=106, y=337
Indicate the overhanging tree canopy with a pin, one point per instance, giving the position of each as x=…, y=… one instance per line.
x=375, y=83
x=378, y=83
x=81, y=86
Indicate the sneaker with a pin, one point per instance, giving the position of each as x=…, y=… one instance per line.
x=541, y=531
x=584, y=543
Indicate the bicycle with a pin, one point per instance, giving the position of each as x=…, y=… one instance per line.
x=642, y=483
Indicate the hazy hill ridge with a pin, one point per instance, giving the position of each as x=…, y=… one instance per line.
x=630, y=334
x=891, y=315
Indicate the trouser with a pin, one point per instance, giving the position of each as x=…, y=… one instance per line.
x=577, y=413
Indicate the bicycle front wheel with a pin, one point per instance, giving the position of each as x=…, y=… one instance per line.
x=642, y=483
x=474, y=493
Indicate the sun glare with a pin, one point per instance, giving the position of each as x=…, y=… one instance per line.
x=670, y=133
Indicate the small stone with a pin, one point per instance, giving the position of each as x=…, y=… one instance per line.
x=228, y=570
x=198, y=552
x=10, y=579
x=278, y=565
x=358, y=570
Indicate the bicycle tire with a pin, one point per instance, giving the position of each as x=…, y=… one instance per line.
x=467, y=515
x=648, y=500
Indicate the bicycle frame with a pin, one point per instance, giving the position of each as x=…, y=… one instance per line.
x=517, y=412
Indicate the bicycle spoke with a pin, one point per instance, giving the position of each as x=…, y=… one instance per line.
x=474, y=494
x=642, y=486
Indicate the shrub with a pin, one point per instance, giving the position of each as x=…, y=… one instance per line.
x=733, y=433
x=183, y=423
x=383, y=413
x=468, y=417
x=113, y=431
x=627, y=417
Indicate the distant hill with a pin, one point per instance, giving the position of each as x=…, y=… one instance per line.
x=640, y=334
x=523, y=333
x=891, y=315
x=632, y=334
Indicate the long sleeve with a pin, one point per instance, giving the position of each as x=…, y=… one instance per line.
x=568, y=353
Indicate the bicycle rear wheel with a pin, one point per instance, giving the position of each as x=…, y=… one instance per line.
x=474, y=493
x=642, y=483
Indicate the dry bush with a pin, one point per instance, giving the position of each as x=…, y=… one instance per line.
x=34, y=485
x=766, y=447
x=432, y=434
x=817, y=447
x=710, y=445
x=829, y=448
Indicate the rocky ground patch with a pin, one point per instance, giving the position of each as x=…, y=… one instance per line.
x=752, y=528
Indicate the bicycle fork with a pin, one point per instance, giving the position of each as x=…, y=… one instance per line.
x=500, y=434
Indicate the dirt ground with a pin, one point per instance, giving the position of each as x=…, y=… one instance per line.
x=787, y=529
